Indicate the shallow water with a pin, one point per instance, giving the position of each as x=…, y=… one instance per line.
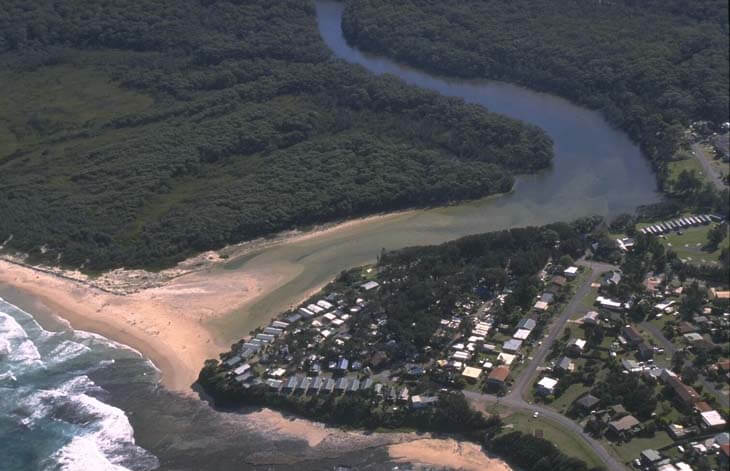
x=596, y=170
x=75, y=401
x=53, y=415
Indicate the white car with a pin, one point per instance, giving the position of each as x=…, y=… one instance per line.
x=535, y=415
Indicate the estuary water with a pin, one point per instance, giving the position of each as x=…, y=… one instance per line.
x=71, y=400
x=596, y=170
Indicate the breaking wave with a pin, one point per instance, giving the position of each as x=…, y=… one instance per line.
x=53, y=412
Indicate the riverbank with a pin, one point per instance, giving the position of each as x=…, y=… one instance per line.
x=167, y=315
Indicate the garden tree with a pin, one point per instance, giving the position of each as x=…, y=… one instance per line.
x=651, y=67
x=250, y=128
x=689, y=374
x=678, y=359
x=716, y=235
x=687, y=182
x=692, y=301
x=629, y=390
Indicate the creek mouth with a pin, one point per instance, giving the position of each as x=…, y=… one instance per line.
x=597, y=169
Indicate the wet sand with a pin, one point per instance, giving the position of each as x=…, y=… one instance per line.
x=171, y=323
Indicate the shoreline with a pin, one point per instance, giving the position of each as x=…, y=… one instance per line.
x=166, y=322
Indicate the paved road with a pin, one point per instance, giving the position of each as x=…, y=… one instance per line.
x=515, y=399
x=670, y=348
x=705, y=161
x=522, y=383
x=611, y=463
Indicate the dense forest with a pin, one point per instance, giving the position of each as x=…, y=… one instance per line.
x=650, y=66
x=137, y=132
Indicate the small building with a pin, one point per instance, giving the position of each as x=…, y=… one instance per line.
x=570, y=272
x=546, y=386
x=611, y=278
x=506, y=358
x=419, y=402
x=565, y=364
x=587, y=402
x=343, y=364
x=650, y=457
x=559, y=281
x=547, y=297
x=471, y=373
x=632, y=336
x=527, y=323
x=512, y=345
x=342, y=384
x=590, y=318
x=498, y=376
x=685, y=327
x=624, y=425
x=692, y=337
x=541, y=306
x=713, y=421
x=576, y=346
x=521, y=334
x=330, y=386
x=370, y=285
x=686, y=394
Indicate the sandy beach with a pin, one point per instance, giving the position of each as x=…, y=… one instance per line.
x=167, y=319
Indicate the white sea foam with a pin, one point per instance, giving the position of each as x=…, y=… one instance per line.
x=17, y=347
x=82, y=454
x=102, y=436
x=66, y=351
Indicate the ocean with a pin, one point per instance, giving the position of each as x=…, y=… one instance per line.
x=76, y=401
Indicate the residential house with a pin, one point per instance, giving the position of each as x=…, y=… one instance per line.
x=498, y=376
x=631, y=335
x=546, y=386
x=712, y=421
x=570, y=272
x=471, y=373
x=565, y=364
x=587, y=402
x=512, y=345
x=576, y=347
x=590, y=318
x=626, y=425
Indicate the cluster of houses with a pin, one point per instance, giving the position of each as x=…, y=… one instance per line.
x=511, y=349
x=324, y=319
x=678, y=224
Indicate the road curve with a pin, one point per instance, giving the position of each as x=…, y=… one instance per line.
x=515, y=398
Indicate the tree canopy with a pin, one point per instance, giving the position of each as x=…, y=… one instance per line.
x=246, y=126
x=650, y=66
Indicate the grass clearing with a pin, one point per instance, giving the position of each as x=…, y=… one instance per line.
x=574, y=391
x=690, y=245
x=631, y=450
x=51, y=100
x=566, y=442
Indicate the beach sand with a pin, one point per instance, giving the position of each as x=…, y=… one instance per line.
x=446, y=453
x=169, y=323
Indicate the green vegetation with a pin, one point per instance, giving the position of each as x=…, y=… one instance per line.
x=536, y=454
x=138, y=132
x=566, y=442
x=651, y=67
x=693, y=245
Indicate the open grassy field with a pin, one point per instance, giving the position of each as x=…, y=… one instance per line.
x=566, y=442
x=690, y=245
